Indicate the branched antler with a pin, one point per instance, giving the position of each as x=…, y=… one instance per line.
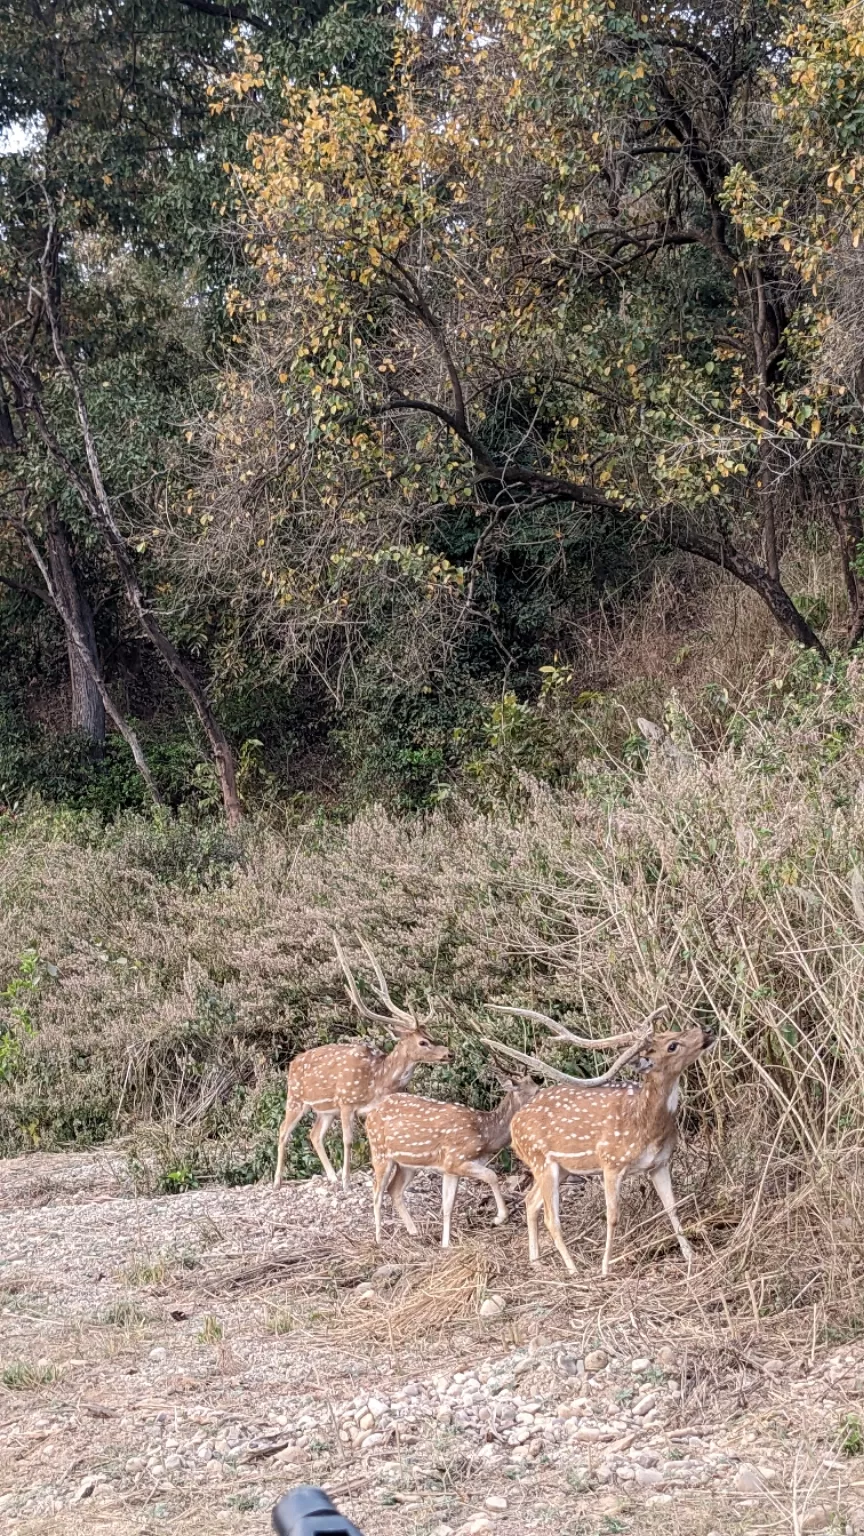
x=635, y=1042
x=398, y=1020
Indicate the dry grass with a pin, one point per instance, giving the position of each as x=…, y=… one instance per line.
x=724, y=882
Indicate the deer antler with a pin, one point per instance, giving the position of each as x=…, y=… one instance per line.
x=402, y=1014
x=563, y=1032
x=567, y=1077
x=636, y=1039
x=395, y=1016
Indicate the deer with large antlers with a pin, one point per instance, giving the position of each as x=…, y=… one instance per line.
x=581, y=1126
x=347, y=1079
x=407, y=1133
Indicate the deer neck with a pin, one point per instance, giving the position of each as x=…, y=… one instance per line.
x=495, y=1125
x=394, y=1071
x=658, y=1105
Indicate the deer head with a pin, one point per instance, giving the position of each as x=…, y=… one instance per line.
x=669, y=1054
x=403, y=1025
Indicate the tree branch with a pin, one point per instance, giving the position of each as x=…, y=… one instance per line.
x=227, y=13
x=28, y=591
x=717, y=551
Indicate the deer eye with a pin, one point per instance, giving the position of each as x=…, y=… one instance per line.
x=672, y=1046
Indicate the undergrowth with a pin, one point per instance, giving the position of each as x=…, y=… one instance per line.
x=158, y=976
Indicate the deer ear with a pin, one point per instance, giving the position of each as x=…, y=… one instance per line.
x=503, y=1079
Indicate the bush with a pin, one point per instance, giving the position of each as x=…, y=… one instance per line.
x=180, y=968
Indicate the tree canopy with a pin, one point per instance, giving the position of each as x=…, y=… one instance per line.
x=352, y=355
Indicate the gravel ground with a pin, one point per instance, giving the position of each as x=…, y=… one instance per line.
x=175, y=1362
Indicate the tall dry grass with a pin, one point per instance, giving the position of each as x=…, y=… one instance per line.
x=170, y=972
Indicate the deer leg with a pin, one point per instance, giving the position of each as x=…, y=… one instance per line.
x=347, y=1116
x=323, y=1121
x=661, y=1178
x=484, y=1175
x=552, y=1212
x=533, y=1202
x=401, y=1179
x=611, y=1185
x=294, y=1111
x=381, y=1171
x=449, y=1186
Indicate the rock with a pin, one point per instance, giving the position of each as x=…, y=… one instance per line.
x=588, y=1434
x=497, y=1503
x=815, y=1519
x=747, y=1480
x=493, y=1306
x=596, y=1360
x=157, y=1354
x=659, y=1499
x=476, y=1526
x=377, y=1406
x=648, y=1477
x=668, y=1358
x=291, y=1456
x=386, y=1274
x=369, y=1442
x=645, y=1404
x=84, y=1490
x=443, y=1530
x=640, y=1365
x=366, y=1421
x=571, y=1365
x=7, y=1500
x=135, y=1464
x=173, y=1462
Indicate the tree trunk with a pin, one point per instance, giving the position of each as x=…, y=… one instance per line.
x=846, y=517
x=95, y=498
x=88, y=708
x=772, y=592
x=77, y=639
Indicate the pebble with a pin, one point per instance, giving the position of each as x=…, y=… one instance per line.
x=497, y=1503
x=158, y=1353
x=645, y=1404
x=640, y=1365
x=815, y=1519
x=492, y=1307
x=596, y=1360
x=648, y=1477
x=748, y=1480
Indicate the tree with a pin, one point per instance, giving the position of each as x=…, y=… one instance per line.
x=116, y=170
x=536, y=288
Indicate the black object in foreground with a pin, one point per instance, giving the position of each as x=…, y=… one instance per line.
x=307, y=1511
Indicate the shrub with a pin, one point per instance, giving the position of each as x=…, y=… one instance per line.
x=721, y=878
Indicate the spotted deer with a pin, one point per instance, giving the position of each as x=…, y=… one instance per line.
x=613, y=1130
x=348, y=1078
x=407, y=1133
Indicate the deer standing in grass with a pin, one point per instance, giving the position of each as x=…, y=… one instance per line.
x=408, y=1133
x=347, y=1079
x=614, y=1130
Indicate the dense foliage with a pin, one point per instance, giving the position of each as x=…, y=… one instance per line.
x=355, y=362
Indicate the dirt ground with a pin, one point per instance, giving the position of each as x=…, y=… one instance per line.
x=173, y=1363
